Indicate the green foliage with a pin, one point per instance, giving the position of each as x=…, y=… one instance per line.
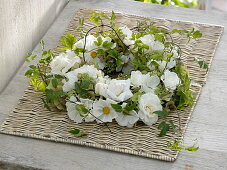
x=67, y=41
x=30, y=57
x=82, y=110
x=177, y=146
x=117, y=107
x=161, y=113
x=189, y=34
x=185, y=3
x=183, y=96
x=85, y=86
x=202, y=64
x=165, y=126
x=52, y=95
x=163, y=93
x=136, y=96
x=38, y=84
x=97, y=18
x=77, y=132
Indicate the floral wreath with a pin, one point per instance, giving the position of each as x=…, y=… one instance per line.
x=116, y=73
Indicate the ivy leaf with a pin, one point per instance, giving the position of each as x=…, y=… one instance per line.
x=77, y=132
x=161, y=113
x=117, y=107
x=164, y=128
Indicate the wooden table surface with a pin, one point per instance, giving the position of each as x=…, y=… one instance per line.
x=208, y=123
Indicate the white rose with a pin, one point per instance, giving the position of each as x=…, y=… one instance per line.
x=63, y=62
x=136, y=78
x=148, y=104
x=170, y=80
x=148, y=40
x=117, y=90
x=128, y=34
x=149, y=83
x=90, y=45
x=100, y=88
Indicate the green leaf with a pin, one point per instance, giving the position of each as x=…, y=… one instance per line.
x=77, y=132
x=130, y=107
x=45, y=104
x=117, y=107
x=54, y=83
x=99, y=41
x=68, y=41
x=136, y=96
x=52, y=95
x=192, y=148
x=159, y=37
x=161, y=113
x=164, y=128
x=174, y=145
x=113, y=16
x=82, y=110
x=202, y=63
x=197, y=34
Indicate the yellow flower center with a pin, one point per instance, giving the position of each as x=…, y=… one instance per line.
x=93, y=54
x=106, y=110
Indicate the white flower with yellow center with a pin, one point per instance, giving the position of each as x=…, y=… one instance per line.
x=170, y=80
x=72, y=76
x=103, y=110
x=63, y=62
x=148, y=104
x=91, y=48
x=92, y=57
x=74, y=114
x=127, y=118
